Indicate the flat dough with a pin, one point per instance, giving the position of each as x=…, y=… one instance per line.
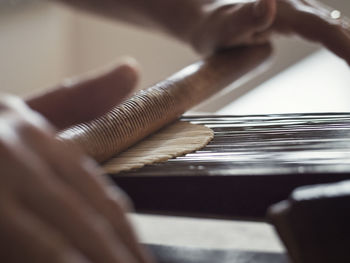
x=172, y=141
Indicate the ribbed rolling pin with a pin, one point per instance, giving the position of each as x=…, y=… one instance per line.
x=153, y=108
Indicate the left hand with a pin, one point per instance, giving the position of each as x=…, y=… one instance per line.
x=55, y=204
x=85, y=98
x=227, y=23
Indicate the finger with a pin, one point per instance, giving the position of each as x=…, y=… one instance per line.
x=46, y=196
x=252, y=18
x=319, y=6
x=16, y=111
x=340, y=44
x=87, y=179
x=85, y=229
x=26, y=238
x=329, y=33
x=264, y=12
x=231, y=24
x=338, y=23
x=82, y=175
x=88, y=97
x=310, y=20
x=107, y=200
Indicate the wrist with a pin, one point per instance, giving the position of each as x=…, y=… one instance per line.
x=178, y=18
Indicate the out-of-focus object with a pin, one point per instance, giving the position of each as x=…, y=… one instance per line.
x=252, y=163
x=151, y=109
x=314, y=223
x=10, y=4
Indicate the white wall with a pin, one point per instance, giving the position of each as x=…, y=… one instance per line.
x=99, y=41
x=42, y=43
x=34, y=46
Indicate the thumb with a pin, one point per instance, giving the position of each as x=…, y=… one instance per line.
x=264, y=12
x=87, y=97
x=247, y=21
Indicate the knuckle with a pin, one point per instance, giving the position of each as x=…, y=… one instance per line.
x=59, y=254
x=23, y=123
x=119, y=199
x=33, y=130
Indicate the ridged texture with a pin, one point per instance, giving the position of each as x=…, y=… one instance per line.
x=171, y=141
x=151, y=109
x=265, y=145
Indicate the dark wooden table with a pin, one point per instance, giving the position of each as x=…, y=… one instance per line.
x=252, y=162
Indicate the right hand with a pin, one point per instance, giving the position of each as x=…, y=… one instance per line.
x=217, y=24
x=55, y=204
x=313, y=21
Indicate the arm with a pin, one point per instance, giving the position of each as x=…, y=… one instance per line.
x=171, y=16
x=208, y=25
x=188, y=20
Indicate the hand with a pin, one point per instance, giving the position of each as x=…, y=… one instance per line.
x=315, y=22
x=55, y=204
x=87, y=97
x=226, y=23
x=208, y=25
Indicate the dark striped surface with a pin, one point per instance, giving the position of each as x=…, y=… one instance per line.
x=253, y=160
x=172, y=254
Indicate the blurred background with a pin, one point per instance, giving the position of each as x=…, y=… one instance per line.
x=42, y=43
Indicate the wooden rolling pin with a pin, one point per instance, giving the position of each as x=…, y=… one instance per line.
x=151, y=109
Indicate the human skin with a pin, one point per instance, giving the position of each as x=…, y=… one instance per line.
x=55, y=204
x=208, y=25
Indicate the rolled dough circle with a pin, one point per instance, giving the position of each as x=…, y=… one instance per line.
x=172, y=141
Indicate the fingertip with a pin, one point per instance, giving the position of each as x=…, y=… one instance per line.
x=265, y=12
x=131, y=64
x=89, y=96
x=126, y=74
